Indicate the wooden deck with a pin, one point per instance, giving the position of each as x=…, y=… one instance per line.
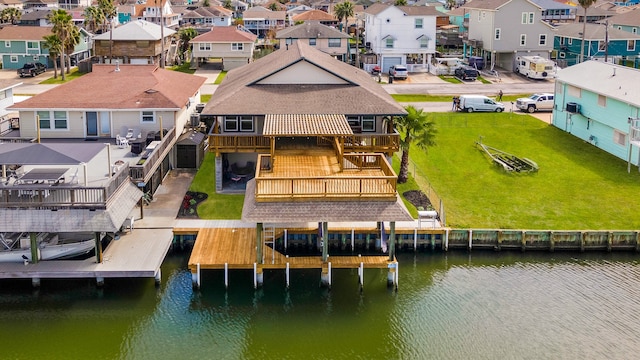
x=237, y=248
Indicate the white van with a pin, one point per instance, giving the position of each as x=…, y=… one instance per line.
x=471, y=103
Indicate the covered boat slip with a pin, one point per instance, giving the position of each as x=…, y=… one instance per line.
x=137, y=253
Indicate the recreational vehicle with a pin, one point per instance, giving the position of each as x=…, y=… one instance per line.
x=535, y=67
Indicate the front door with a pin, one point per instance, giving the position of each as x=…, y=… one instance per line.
x=98, y=123
x=92, y=123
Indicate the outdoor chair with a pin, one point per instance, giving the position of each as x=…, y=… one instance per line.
x=123, y=131
x=122, y=141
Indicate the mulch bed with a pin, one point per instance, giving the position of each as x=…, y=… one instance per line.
x=417, y=198
x=190, y=203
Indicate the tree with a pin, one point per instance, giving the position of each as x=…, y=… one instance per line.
x=70, y=45
x=274, y=6
x=186, y=34
x=92, y=17
x=109, y=11
x=585, y=4
x=52, y=42
x=414, y=128
x=62, y=24
x=344, y=11
x=206, y=3
x=400, y=3
x=10, y=15
x=228, y=5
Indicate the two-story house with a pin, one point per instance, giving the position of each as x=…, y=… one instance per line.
x=23, y=44
x=556, y=11
x=602, y=108
x=502, y=30
x=310, y=146
x=402, y=35
x=322, y=37
x=627, y=21
x=136, y=42
x=233, y=45
x=156, y=12
x=316, y=16
x=261, y=21
x=601, y=41
x=207, y=17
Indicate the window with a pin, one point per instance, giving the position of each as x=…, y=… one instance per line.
x=484, y=14
x=334, y=42
x=479, y=15
x=523, y=39
x=230, y=123
x=7, y=43
x=562, y=40
x=424, y=42
x=497, y=34
x=45, y=119
x=619, y=27
x=574, y=91
x=60, y=119
x=36, y=57
x=561, y=55
x=389, y=43
x=204, y=46
x=601, y=45
x=631, y=45
x=31, y=45
x=619, y=137
x=368, y=123
x=13, y=58
x=418, y=23
x=246, y=123
x=569, y=41
x=312, y=42
x=237, y=46
x=634, y=30
x=527, y=17
x=3, y=94
x=142, y=44
x=148, y=116
x=602, y=100
x=531, y=17
x=542, y=41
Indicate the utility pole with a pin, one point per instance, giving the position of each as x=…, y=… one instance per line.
x=606, y=40
x=161, y=34
x=357, y=42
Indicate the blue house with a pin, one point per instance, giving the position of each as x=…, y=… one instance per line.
x=23, y=44
x=622, y=45
x=600, y=107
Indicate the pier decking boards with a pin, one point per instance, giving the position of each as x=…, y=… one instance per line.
x=237, y=248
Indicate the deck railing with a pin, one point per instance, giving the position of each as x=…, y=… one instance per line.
x=238, y=143
x=44, y=196
x=387, y=143
x=349, y=185
x=144, y=171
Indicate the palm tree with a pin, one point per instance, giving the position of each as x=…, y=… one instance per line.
x=92, y=17
x=11, y=15
x=52, y=42
x=400, y=3
x=186, y=35
x=585, y=4
x=344, y=11
x=109, y=11
x=274, y=6
x=62, y=23
x=227, y=4
x=414, y=128
x=70, y=45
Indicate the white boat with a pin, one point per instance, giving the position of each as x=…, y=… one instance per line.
x=47, y=250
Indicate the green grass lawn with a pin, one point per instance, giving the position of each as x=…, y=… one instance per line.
x=220, y=77
x=205, y=98
x=217, y=206
x=450, y=78
x=577, y=187
x=184, y=68
x=67, y=77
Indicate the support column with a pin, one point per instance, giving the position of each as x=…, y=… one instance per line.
x=219, y=173
x=325, y=277
x=259, y=243
x=35, y=282
x=98, y=248
x=392, y=241
x=34, y=248
x=392, y=275
x=100, y=281
x=325, y=241
x=258, y=276
x=158, y=276
x=195, y=277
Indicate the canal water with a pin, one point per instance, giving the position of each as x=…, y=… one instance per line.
x=457, y=305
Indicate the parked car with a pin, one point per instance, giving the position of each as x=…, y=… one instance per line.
x=398, y=72
x=471, y=103
x=466, y=73
x=32, y=69
x=535, y=102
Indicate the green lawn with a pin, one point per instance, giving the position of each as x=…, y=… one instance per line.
x=67, y=77
x=450, y=78
x=184, y=68
x=217, y=206
x=205, y=98
x=578, y=186
x=220, y=77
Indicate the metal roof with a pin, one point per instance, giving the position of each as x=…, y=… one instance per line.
x=306, y=124
x=48, y=154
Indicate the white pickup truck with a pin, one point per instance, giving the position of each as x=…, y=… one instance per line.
x=535, y=102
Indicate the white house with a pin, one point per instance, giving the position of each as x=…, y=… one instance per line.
x=401, y=35
x=233, y=45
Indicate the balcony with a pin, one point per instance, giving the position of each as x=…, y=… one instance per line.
x=317, y=175
x=144, y=171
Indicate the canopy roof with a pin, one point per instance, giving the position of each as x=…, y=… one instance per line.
x=305, y=125
x=48, y=154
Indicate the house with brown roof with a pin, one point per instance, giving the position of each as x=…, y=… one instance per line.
x=322, y=37
x=233, y=45
x=207, y=17
x=310, y=138
x=260, y=20
x=315, y=16
x=12, y=4
x=136, y=42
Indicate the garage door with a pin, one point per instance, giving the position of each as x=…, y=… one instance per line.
x=139, y=61
x=387, y=62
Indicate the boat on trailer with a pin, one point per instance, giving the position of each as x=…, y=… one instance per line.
x=508, y=162
x=16, y=247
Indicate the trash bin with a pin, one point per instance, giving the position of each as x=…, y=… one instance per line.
x=151, y=136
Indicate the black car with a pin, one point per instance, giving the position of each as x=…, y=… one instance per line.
x=32, y=69
x=466, y=73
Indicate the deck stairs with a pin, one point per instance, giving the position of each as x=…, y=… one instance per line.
x=269, y=238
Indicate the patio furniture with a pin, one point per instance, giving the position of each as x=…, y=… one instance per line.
x=137, y=145
x=122, y=142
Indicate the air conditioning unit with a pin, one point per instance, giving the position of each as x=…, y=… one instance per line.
x=573, y=107
x=195, y=119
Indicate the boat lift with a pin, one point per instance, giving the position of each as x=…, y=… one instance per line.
x=508, y=162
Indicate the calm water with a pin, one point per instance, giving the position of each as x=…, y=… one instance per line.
x=449, y=306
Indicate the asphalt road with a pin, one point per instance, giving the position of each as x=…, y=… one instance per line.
x=526, y=87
